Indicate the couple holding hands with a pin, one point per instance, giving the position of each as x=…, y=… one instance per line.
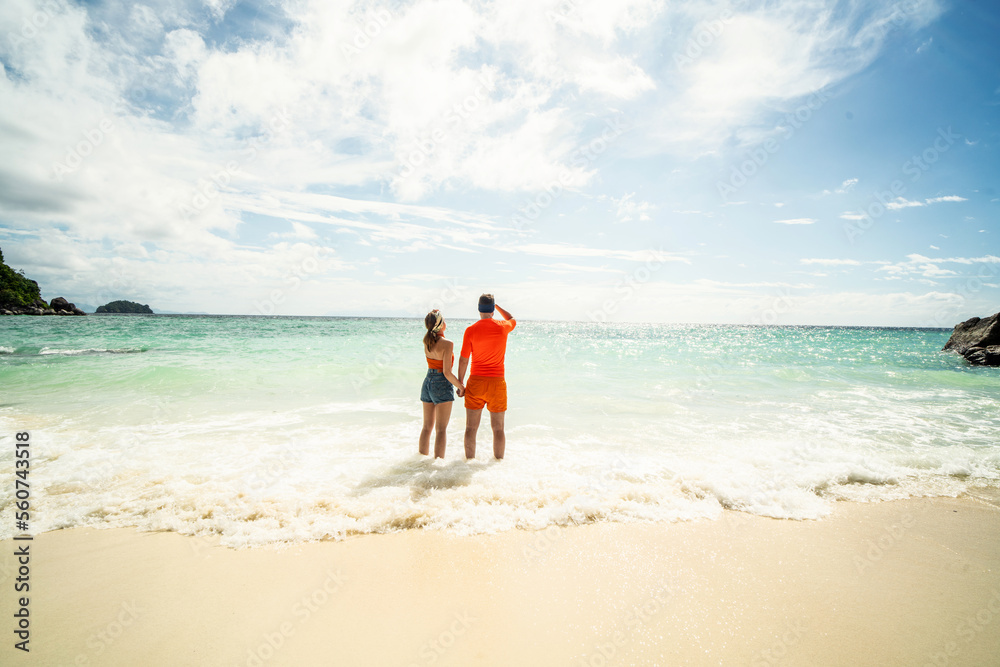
x=485, y=343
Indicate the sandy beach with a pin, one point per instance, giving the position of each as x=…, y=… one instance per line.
x=909, y=582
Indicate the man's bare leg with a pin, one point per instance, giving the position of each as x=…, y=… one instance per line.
x=499, y=439
x=472, y=418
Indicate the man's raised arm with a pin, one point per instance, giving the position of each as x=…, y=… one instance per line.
x=506, y=315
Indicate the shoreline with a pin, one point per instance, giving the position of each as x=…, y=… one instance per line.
x=897, y=582
x=419, y=318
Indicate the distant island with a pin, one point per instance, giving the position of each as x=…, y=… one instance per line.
x=20, y=295
x=130, y=307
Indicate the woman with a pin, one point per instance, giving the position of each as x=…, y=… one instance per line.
x=436, y=394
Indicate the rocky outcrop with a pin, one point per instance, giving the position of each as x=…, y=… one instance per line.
x=978, y=340
x=36, y=307
x=59, y=306
x=64, y=307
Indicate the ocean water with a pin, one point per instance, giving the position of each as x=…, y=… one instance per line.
x=288, y=429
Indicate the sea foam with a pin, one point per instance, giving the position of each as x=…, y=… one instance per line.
x=260, y=431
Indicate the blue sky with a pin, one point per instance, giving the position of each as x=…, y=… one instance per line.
x=738, y=162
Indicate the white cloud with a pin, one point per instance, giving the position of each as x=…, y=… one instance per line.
x=771, y=56
x=220, y=7
x=627, y=209
x=722, y=286
x=927, y=267
x=705, y=301
x=797, y=221
x=240, y=280
x=654, y=255
x=902, y=202
x=831, y=262
x=573, y=43
x=844, y=188
x=560, y=267
x=299, y=231
x=181, y=110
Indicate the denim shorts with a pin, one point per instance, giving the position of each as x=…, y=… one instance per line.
x=436, y=388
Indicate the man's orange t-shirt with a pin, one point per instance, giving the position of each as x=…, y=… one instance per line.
x=486, y=343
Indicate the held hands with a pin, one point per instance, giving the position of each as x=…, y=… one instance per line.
x=460, y=390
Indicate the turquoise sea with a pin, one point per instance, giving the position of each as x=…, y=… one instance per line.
x=286, y=429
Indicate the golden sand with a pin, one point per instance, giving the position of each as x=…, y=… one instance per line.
x=913, y=582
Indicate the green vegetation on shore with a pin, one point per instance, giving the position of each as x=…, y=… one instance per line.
x=16, y=290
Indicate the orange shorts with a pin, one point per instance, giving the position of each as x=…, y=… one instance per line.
x=491, y=392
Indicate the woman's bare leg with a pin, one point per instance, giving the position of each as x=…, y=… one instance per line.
x=442, y=415
x=425, y=432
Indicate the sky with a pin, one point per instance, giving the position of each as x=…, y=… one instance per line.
x=801, y=162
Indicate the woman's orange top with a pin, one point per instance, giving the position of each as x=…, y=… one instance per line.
x=438, y=364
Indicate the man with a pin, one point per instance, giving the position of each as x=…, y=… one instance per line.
x=486, y=343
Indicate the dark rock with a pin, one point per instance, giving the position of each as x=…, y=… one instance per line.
x=64, y=307
x=975, y=333
x=983, y=356
x=59, y=307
